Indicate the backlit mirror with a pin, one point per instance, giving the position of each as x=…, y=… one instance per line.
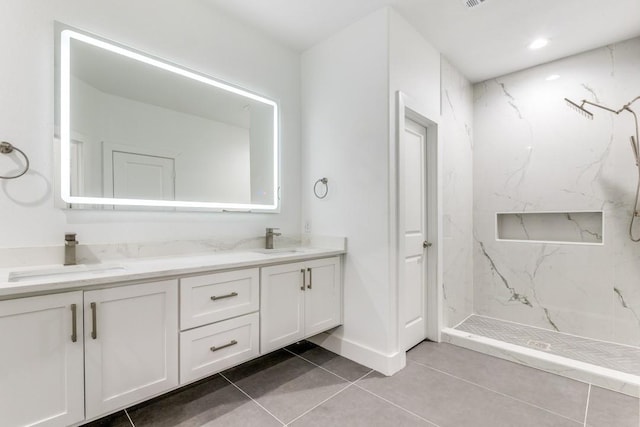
x=139, y=131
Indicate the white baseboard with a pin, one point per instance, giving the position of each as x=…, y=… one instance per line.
x=386, y=364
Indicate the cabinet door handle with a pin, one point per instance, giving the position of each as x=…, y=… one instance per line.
x=309, y=285
x=232, y=294
x=74, y=323
x=94, y=321
x=303, y=279
x=214, y=348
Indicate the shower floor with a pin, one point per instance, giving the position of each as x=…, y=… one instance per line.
x=603, y=354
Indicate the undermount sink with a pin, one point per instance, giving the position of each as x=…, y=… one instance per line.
x=63, y=272
x=279, y=251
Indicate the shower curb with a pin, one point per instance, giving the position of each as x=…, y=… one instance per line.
x=602, y=377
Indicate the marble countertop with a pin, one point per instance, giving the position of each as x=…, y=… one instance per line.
x=56, y=278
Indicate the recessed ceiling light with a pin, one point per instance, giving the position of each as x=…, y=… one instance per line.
x=552, y=77
x=539, y=43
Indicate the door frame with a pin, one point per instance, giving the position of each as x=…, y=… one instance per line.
x=408, y=108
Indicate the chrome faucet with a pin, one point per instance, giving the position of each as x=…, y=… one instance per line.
x=269, y=237
x=70, y=244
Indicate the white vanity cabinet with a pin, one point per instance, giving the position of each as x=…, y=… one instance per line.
x=97, y=347
x=131, y=344
x=299, y=300
x=222, y=310
x=41, y=360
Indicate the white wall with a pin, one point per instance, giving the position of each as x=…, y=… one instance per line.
x=187, y=32
x=534, y=154
x=345, y=133
x=456, y=129
x=349, y=83
x=414, y=68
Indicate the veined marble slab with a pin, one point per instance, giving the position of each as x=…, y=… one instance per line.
x=534, y=154
x=456, y=130
x=93, y=253
x=54, y=277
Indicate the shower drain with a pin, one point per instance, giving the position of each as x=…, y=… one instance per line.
x=539, y=345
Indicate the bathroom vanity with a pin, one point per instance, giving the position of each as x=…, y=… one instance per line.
x=83, y=341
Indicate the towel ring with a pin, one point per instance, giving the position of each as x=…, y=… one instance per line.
x=324, y=181
x=6, y=148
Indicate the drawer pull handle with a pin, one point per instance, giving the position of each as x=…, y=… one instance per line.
x=94, y=321
x=74, y=324
x=310, y=280
x=233, y=342
x=303, y=279
x=232, y=294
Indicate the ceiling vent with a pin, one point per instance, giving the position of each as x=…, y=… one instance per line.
x=472, y=3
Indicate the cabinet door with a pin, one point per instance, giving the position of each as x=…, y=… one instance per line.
x=323, y=298
x=282, y=292
x=41, y=379
x=131, y=344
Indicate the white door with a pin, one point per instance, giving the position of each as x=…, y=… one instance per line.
x=131, y=344
x=282, y=289
x=413, y=149
x=323, y=297
x=41, y=361
x=140, y=176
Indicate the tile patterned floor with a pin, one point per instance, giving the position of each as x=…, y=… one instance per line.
x=600, y=353
x=442, y=385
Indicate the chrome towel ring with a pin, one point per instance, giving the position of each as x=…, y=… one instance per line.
x=325, y=182
x=6, y=148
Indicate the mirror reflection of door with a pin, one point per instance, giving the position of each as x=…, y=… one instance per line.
x=131, y=172
x=140, y=176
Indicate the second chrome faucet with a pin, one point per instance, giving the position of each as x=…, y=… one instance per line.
x=269, y=237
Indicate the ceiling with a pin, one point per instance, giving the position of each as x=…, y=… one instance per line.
x=483, y=42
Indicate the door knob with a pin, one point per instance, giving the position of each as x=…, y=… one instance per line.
x=426, y=244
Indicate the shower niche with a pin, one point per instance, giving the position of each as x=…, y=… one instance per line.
x=552, y=227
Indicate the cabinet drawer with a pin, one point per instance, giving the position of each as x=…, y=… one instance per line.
x=210, y=349
x=214, y=297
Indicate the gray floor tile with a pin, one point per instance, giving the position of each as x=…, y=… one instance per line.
x=119, y=419
x=553, y=392
x=209, y=403
x=355, y=407
x=285, y=384
x=450, y=402
x=330, y=361
x=609, y=409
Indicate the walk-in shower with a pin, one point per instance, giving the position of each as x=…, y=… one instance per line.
x=635, y=140
x=538, y=292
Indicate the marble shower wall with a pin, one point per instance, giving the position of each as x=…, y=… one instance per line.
x=457, y=143
x=534, y=154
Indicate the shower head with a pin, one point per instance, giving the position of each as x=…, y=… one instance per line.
x=579, y=108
